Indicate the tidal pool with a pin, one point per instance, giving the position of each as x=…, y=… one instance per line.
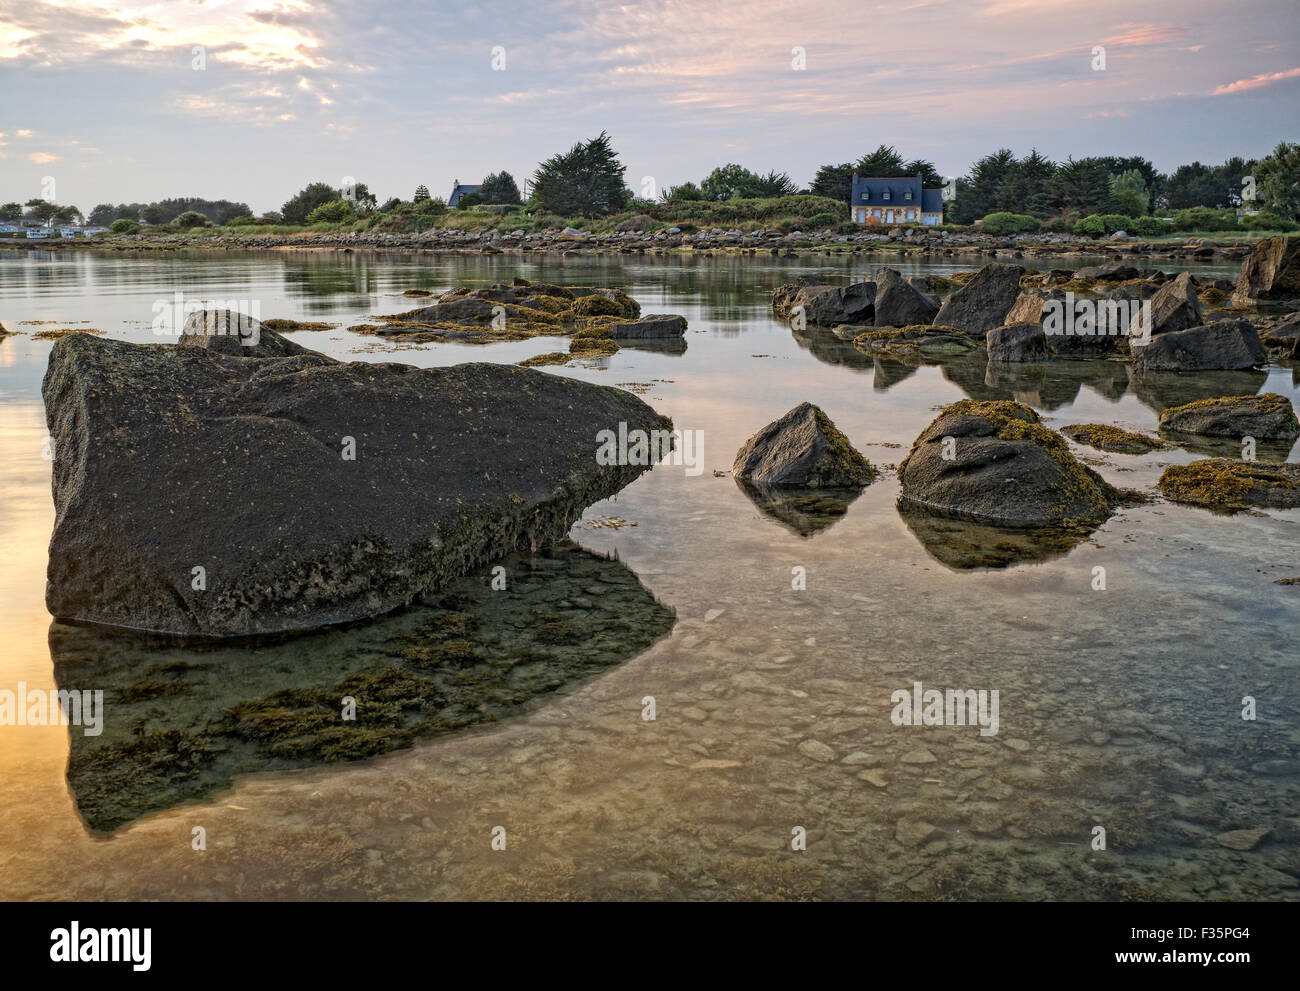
x=765, y=636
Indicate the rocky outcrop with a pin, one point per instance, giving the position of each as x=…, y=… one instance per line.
x=1229, y=484
x=233, y=333
x=199, y=493
x=1224, y=346
x=650, y=326
x=802, y=449
x=994, y=462
x=982, y=303
x=900, y=304
x=1109, y=272
x=1265, y=417
x=1270, y=272
x=826, y=305
x=1019, y=342
x=1175, y=306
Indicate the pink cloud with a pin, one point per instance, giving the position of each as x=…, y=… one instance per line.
x=1255, y=82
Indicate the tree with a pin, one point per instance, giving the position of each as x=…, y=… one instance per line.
x=1128, y=194
x=295, y=210
x=684, y=193
x=883, y=163
x=773, y=184
x=191, y=218
x=11, y=213
x=1277, y=180
x=930, y=178
x=421, y=193
x=727, y=182
x=66, y=215
x=468, y=200
x=834, y=182
x=39, y=209
x=334, y=212
x=1081, y=187
x=587, y=180
x=1025, y=187
x=977, y=194
x=499, y=187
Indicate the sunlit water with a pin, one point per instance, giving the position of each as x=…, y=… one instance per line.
x=1119, y=708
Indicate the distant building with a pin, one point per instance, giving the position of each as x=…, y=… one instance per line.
x=457, y=191
x=895, y=201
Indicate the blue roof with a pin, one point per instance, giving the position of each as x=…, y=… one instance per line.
x=872, y=192
x=461, y=190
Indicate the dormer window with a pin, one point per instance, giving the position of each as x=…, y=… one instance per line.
x=885, y=195
x=866, y=195
x=907, y=195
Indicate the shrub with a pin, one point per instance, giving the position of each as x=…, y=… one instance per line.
x=123, y=226
x=1268, y=222
x=241, y=221
x=1059, y=225
x=1009, y=223
x=1098, y=224
x=189, y=219
x=822, y=220
x=468, y=200
x=1149, y=227
x=333, y=212
x=1204, y=218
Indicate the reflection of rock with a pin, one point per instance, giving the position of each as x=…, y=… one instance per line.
x=805, y=511
x=183, y=721
x=889, y=372
x=308, y=491
x=996, y=463
x=830, y=349
x=659, y=345
x=1043, y=386
x=962, y=545
x=1160, y=390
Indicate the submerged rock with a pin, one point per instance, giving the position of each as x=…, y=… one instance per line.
x=802, y=449
x=1265, y=417
x=983, y=302
x=198, y=493
x=1224, y=483
x=652, y=325
x=186, y=722
x=994, y=462
x=1271, y=271
x=919, y=341
x=1228, y=345
x=1107, y=438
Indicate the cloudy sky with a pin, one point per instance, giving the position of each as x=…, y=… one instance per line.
x=113, y=99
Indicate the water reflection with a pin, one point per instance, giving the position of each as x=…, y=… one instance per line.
x=963, y=545
x=803, y=511
x=183, y=720
x=1161, y=390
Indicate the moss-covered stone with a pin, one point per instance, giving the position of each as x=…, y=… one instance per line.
x=1114, y=439
x=1225, y=484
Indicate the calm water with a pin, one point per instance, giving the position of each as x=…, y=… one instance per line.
x=1119, y=708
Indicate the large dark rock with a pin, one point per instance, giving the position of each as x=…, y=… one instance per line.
x=652, y=325
x=1271, y=271
x=233, y=333
x=1108, y=272
x=171, y=459
x=1019, y=342
x=826, y=305
x=982, y=303
x=1267, y=416
x=1280, y=334
x=802, y=449
x=1048, y=308
x=994, y=462
x=1227, y=345
x=900, y=304
x=1175, y=306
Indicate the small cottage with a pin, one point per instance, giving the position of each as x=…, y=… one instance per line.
x=900, y=200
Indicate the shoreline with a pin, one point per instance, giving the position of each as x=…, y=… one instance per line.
x=730, y=244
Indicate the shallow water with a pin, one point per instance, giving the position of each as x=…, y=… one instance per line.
x=1119, y=708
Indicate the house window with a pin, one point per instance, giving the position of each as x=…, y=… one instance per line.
x=907, y=195
x=885, y=196
x=911, y=214
x=875, y=213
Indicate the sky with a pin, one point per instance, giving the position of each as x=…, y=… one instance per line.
x=249, y=100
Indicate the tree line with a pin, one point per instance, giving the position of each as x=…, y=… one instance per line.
x=588, y=181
